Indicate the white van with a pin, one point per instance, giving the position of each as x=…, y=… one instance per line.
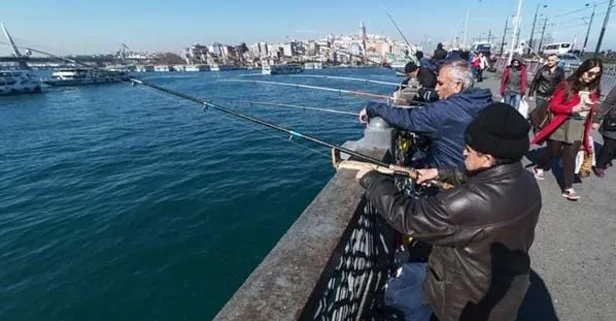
x=558, y=48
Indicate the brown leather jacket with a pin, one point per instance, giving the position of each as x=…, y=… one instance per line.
x=481, y=232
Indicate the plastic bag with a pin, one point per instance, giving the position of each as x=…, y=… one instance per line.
x=523, y=109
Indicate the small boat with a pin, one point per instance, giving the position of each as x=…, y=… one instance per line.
x=144, y=68
x=283, y=69
x=84, y=76
x=163, y=68
x=14, y=82
x=222, y=67
x=195, y=68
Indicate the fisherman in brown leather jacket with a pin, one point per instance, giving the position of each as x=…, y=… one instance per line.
x=481, y=230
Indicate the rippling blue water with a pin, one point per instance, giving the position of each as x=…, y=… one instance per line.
x=122, y=204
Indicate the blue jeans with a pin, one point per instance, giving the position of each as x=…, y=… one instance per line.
x=513, y=100
x=405, y=292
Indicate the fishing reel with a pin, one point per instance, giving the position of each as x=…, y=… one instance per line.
x=412, y=189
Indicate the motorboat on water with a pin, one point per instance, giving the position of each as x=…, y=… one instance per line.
x=222, y=67
x=144, y=68
x=196, y=68
x=313, y=65
x=84, y=76
x=163, y=68
x=13, y=82
x=282, y=69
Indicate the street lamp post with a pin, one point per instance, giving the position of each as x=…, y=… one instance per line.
x=605, y=21
x=532, y=31
x=594, y=8
x=516, y=29
x=468, y=12
x=545, y=23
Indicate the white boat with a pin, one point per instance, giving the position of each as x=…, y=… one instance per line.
x=18, y=81
x=121, y=68
x=195, y=68
x=13, y=82
x=163, y=68
x=84, y=76
x=219, y=67
x=144, y=68
x=313, y=65
x=283, y=69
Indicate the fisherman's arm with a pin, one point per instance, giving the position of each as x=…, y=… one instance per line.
x=428, y=94
x=425, y=120
x=426, y=219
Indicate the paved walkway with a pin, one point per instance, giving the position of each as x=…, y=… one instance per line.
x=574, y=253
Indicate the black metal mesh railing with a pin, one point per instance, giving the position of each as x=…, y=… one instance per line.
x=354, y=281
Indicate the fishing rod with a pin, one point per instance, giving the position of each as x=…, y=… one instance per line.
x=350, y=78
x=400, y=32
x=377, y=164
x=390, y=100
x=265, y=103
x=340, y=91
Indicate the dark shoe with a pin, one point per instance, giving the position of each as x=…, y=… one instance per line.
x=599, y=171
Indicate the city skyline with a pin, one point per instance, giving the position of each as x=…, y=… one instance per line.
x=86, y=27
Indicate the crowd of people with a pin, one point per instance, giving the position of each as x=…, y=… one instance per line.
x=481, y=230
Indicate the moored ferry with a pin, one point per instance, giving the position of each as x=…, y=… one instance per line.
x=222, y=67
x=14, y=82
x=84, y=76
x=283, y=69
x=196, y=68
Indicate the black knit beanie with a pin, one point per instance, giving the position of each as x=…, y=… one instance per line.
x=410, y=67
x=499, y=130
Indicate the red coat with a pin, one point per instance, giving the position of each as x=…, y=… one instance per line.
x=523, y=80
x=561, y=109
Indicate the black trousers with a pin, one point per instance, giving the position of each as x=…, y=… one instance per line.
x=569, y=151
x=607, y=152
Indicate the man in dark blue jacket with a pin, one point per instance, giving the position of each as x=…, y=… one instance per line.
x=442, y=122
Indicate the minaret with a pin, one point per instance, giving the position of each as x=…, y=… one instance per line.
x=363, y=37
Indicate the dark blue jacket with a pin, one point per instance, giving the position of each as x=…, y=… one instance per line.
x=443, y=122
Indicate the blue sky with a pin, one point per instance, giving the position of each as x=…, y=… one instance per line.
x=87, y=26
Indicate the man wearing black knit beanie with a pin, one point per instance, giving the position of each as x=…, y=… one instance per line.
x=480, y=230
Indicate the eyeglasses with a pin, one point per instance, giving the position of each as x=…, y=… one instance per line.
x=593, y=74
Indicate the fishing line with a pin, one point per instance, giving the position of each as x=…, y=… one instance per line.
x=351, y=79
x=400, y=32
x=302, y=107
x=237, y=121
x=340, y=91
x=206, y=104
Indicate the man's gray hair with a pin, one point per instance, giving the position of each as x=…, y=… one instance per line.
x=461, y=71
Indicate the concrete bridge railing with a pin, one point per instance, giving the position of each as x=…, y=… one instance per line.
x=332, y=262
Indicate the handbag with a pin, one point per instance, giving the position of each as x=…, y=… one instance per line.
x=540, y=116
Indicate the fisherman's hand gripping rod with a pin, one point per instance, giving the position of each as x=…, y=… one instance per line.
x=376, y=163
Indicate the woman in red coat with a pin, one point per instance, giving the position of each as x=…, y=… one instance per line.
x=572, y=106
